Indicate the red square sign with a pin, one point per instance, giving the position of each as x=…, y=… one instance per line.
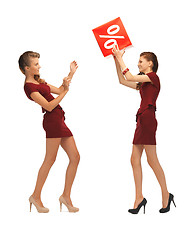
x=111, y=33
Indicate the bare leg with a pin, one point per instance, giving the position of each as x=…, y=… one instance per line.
x=137, y=172
x=52, y=145
x=68, y=144
x=157, y=169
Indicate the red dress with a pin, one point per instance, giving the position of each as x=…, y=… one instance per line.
x=53, y=122
x=145, y=133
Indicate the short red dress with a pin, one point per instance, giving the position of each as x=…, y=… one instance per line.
x=145, y=133
x=53, y=122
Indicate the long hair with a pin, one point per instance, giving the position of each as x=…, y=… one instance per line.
x=24, y=61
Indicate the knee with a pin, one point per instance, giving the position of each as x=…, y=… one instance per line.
x=49, y=160
x=135, y=161
x=150, y=162
x=75, y=159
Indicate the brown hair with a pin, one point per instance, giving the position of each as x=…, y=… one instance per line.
x=150, y=56
x=24, y=60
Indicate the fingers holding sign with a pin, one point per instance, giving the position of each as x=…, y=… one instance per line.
x=116, y=52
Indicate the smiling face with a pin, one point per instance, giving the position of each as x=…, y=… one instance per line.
x=144, y=65
x=34, y=67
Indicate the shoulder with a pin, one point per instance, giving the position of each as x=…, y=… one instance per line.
x=154, y=79
x=29, y=88
x=152, y=75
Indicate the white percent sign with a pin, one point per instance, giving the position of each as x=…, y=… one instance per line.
x=111, y=31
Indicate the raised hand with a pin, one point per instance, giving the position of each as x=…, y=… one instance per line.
x=73, y=67
x=116, y=52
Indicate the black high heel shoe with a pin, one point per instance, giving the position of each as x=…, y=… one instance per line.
x=171, y=199
x=136, y=210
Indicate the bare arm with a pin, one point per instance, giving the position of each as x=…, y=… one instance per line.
x=73, y=68
x=133, y=78
x=129, y=77
x=49, y=106
x=121, y=77
x=55, y=89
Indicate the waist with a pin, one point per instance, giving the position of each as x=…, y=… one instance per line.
x=143, y=108
x=57, y=107
x=55, y=115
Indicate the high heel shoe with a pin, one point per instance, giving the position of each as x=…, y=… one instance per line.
x=136, y=210
x=70, y=208
x=39, y=209
x=171, y=199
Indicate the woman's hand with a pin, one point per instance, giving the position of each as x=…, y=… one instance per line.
x=66, y=83
x=73, y=67
x=117, y=53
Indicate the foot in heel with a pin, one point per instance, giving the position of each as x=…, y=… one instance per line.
x=70, y=207
x=167, y=209
x=136, y=210
x=39, y=208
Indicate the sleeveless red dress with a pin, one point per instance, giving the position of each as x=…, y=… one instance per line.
x=145, y=133
x=53, y=122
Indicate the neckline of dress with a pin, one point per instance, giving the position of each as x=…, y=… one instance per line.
x=33, y=83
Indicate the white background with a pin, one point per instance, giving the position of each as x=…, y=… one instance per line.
x=100, y=113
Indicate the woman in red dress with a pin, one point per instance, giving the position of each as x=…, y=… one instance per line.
x=147, y=82
x=57, y=133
